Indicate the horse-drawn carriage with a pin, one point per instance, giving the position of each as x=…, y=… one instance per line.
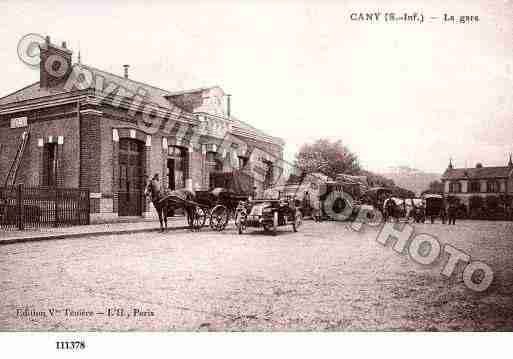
x=434, y=207
x=221, y=204
x=218, y=204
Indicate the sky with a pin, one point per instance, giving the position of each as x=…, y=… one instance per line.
x=395, y=94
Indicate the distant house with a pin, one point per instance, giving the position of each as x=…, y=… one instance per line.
x=473, y=187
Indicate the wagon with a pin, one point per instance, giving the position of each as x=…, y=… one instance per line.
x=221, y=204
x=376, y=197
x=268, y=214
x=221, y=201
x=435, y=206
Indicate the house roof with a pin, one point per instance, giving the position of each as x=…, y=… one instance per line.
x=246, y=127
x=29, y=92
x=185, y=92
x=477, y=173
x=153, y=95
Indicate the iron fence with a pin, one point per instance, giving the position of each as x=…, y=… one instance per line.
x=32, y=207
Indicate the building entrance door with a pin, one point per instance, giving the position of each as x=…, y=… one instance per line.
x=176, y=165
x=171, y=174
x=131, y=191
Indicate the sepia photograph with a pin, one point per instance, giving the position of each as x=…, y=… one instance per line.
x=230, y=166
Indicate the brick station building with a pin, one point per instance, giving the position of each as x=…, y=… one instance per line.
x=92, y=129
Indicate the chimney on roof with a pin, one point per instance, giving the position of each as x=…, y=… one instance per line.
x=450, y=164
x=479, y=165
x=126, y=70
x=55, y=65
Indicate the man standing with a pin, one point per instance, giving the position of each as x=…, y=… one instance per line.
x=317, y=209
x=451, y=212
x=305, y=205
x=155, y=184
x=390, y=210
x=443, y=213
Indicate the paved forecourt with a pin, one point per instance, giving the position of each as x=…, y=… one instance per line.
x=326, y=277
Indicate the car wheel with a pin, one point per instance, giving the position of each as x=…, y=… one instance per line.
x=219, y=217
x=275, y=224
x=298, y=220
x=239, y=223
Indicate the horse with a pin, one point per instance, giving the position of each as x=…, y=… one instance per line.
x=167, y=202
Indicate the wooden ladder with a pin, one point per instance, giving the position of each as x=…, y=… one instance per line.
x=10, y=180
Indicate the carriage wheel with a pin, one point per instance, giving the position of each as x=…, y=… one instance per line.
x=298, y=220
x=219, y=217
x=199, y=218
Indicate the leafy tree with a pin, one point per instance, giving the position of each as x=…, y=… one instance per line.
x=327, y=157
x=376, y=180
x=402, y=193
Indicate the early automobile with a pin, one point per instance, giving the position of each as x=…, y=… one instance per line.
x=268, y=214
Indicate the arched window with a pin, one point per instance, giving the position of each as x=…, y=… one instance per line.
x=475, y=186
x=131, y=174
x=492, y=186
x=50, y=165
x=176, y=167
x=502, y=186
x=455, y=187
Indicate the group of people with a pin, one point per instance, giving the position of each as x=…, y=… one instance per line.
x=447, y=213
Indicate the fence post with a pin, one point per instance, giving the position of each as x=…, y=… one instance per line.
x=88, y=207
x=56, y=200
x=19, y=207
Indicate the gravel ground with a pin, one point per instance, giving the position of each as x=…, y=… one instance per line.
x=326, y=277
